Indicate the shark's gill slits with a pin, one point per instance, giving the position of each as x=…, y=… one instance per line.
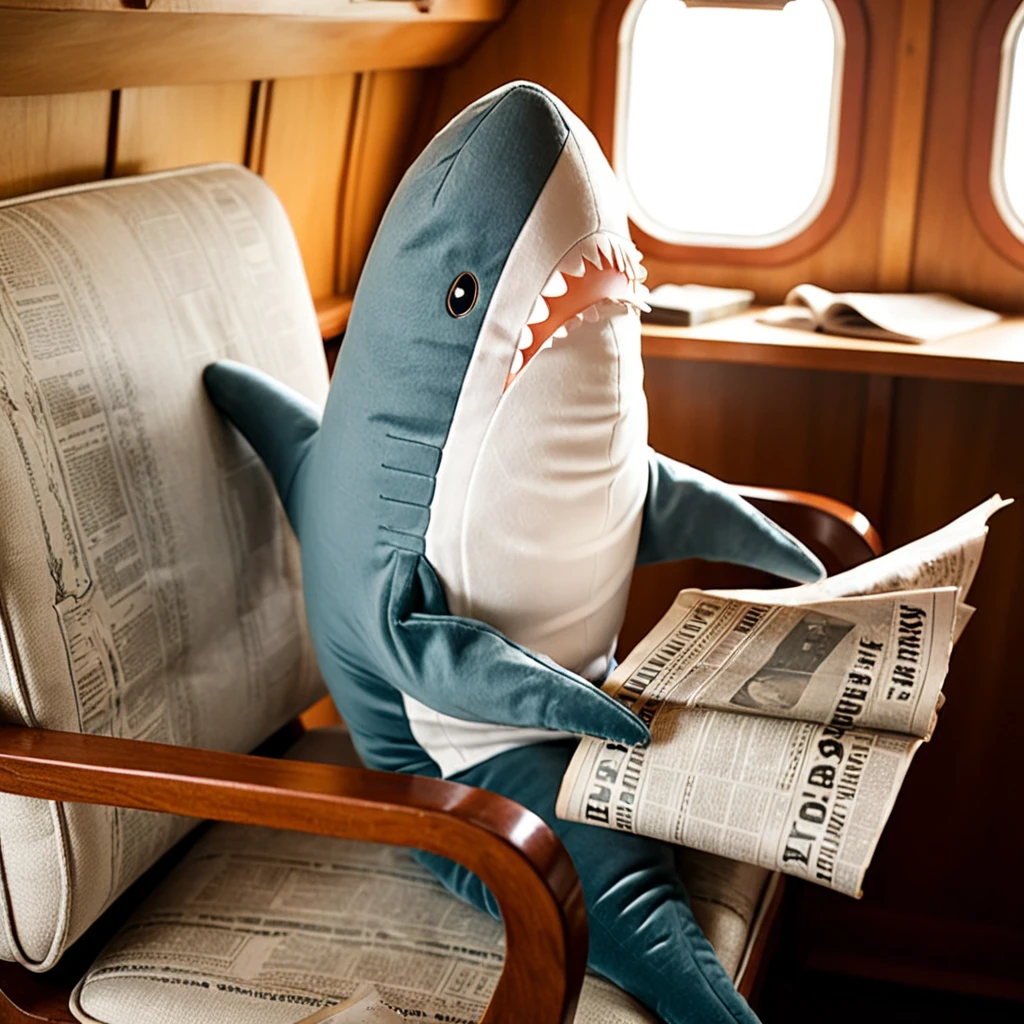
x=599, y=274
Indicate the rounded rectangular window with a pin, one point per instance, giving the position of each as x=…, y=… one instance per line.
x=727, y=119
x=1007, y=168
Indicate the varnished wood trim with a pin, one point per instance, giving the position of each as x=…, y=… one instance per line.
x=874, y=446
x=360, y=125
x=984, y=100
x=510, y=849
x=45, y=51
x=821, y=515
x=329, y=10
x=259, y=106
x=906, y=145
x=848, y=156
x=332, y=314
x=319, y=715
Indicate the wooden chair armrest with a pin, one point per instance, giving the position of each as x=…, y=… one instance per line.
x=509, y=848
x=840, y=535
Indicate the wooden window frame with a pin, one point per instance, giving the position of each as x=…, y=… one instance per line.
x=982, y=129
x=848, y=152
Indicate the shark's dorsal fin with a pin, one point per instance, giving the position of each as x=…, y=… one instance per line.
x=279, y=423
x=689, y=514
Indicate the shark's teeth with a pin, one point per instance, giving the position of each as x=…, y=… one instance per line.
x=572, y=264
x=597, y=248
x=640, y=296
x=592, y=251
x=639, y=271
x=539, y=313
x=621, y=263
x=556, y=285
x=604, y=252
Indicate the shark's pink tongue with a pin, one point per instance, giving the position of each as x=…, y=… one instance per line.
x=596, y=284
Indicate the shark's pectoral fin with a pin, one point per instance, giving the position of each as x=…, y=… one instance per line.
x=469, y=670
x=689, y=514
x=279, y=423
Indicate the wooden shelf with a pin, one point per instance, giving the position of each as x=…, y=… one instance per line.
x=56, y=46
x=994, y=355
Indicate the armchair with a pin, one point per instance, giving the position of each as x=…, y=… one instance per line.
x=513, y=851
x=150, y=625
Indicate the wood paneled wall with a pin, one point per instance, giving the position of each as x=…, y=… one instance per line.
x=47, y=141
x=950, y=251
x=943, y=905
x=332, y=146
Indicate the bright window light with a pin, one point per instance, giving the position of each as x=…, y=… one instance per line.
x=727, y=119
x=1008, y=142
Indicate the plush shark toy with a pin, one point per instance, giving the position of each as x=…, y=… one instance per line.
x=473, y=501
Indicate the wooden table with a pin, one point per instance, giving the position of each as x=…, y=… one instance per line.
x=993, y=355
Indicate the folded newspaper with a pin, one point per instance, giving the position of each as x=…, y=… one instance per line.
x=784, y=721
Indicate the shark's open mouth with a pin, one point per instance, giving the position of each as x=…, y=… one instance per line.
x=597, y=275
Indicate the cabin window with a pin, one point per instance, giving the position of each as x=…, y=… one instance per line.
x=1007, y=169
x=727, y=119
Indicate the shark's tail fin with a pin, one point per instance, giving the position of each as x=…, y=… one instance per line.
x=278, y=422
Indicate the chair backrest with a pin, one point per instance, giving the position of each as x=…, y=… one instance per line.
x=149, y=582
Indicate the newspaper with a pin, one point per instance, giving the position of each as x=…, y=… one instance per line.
x=149, y=585
x=949, y=557
x=783, y=722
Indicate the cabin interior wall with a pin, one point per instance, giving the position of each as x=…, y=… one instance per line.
x=912, y=454
x=332, y=146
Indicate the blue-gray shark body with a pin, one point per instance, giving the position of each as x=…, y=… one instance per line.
x=472, y=502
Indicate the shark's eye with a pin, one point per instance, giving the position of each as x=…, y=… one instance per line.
x=462, y=294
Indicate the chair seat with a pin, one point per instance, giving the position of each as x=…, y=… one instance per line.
x=257, y=926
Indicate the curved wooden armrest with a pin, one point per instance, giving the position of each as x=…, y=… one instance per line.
x=509, y=848
x=840, y=535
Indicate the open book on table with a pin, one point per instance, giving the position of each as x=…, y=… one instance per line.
x=784, y=721
x=883, y=317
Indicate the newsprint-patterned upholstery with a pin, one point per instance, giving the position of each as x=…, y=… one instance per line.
x=150, y=589
x=264, y=927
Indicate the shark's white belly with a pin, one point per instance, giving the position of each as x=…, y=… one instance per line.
x=552, y=515
x=538, y=536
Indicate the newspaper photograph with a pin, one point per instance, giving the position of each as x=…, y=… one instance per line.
x=783, y=722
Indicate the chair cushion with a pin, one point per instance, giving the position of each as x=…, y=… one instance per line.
x=149, y=584
x=262, y=927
